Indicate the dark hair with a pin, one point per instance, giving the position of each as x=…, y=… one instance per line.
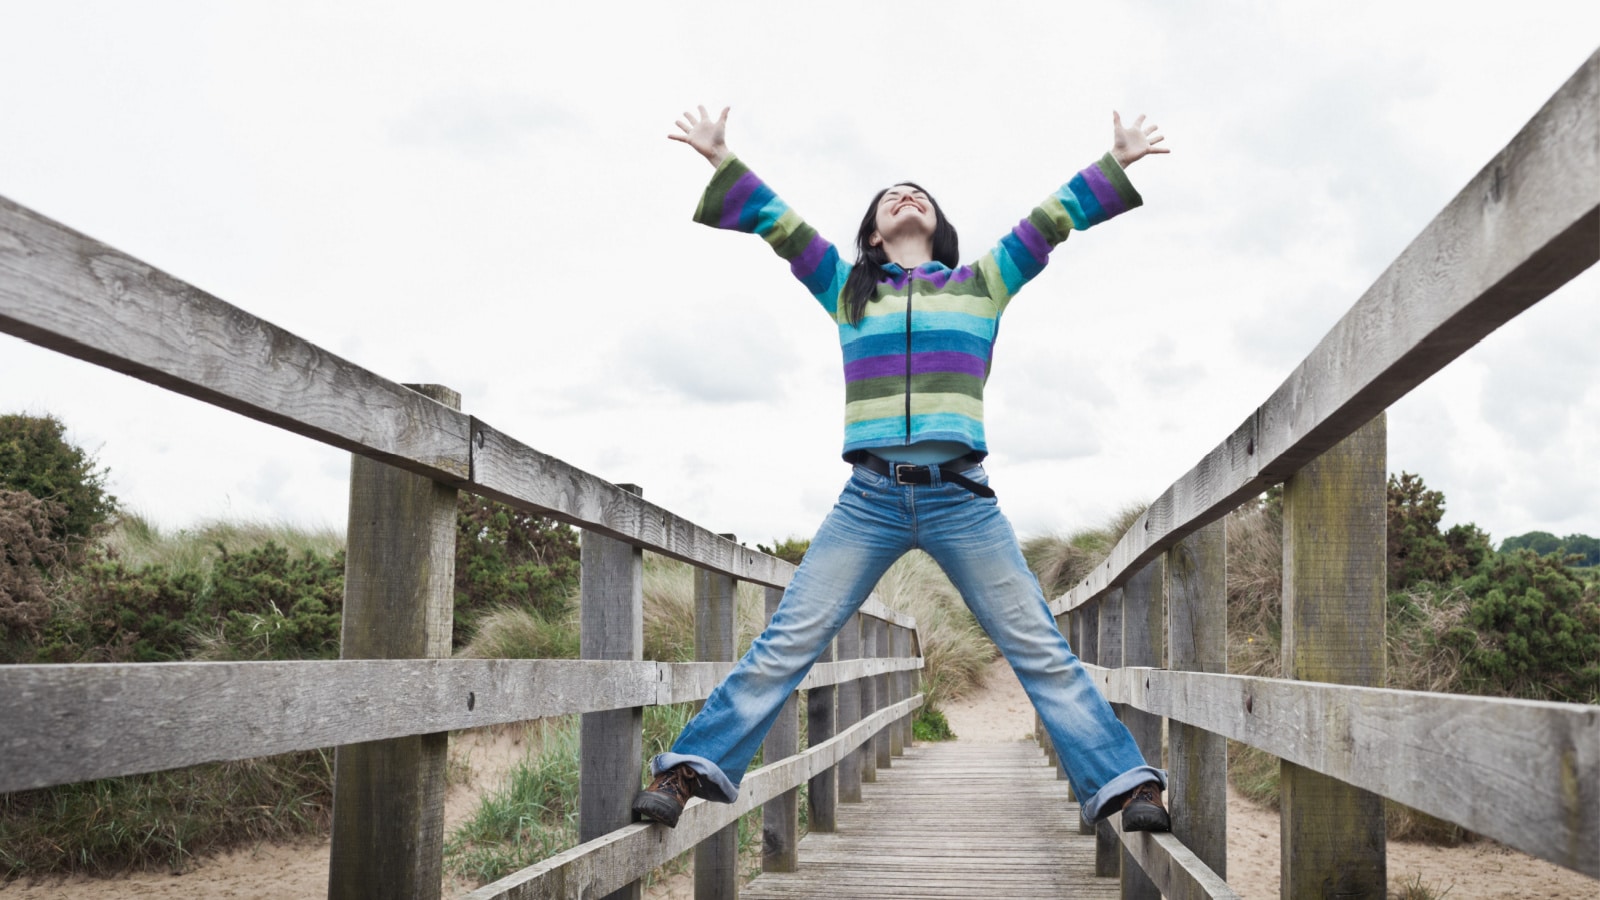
x=861, y=287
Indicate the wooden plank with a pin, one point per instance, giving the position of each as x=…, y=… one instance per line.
x=822, y=792
x=1197, y=760
x=1444, y=754
x=684, y=682
x=1525, y=225
x=716, y=859
x=1143, y=637
x=1334, y=615
x=869, y=700
x=68, y=292
x=848, y=647
x=780, y=817
x=399, y=598
x=1020, y=842
x=1177, y=871
x=600, y=866
x=611, y=626
x=67, y=723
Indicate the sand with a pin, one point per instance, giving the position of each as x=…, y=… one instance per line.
x=998, y=711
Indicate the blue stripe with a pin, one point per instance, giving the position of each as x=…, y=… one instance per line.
x=761, y=210
x=1082, y=206
x=969, y=323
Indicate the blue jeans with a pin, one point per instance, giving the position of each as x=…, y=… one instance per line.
x=875, y=522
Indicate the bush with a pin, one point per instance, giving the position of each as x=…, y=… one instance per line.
x=1533, y=630
x=35, y=457
x=508, y=558
x=29, y=554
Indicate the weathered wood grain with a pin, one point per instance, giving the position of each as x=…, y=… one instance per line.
x=1143, y=636
x=684, y=682
x=600, y=866
x=1334, y=615
x=822, y=792
x=780, y=817
x=611, y=742
x=68, y=292
x=67, y=723
x=1488, y=764
x=1020, y=842
x=847, y=646
x=399, y=596
x=1523, y=226
x=1177, y=872
x=1197, y=640
x=716, y=859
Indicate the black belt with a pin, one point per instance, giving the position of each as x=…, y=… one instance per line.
x=906, y=473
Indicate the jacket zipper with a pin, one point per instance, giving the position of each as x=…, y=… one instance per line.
x=910, y=290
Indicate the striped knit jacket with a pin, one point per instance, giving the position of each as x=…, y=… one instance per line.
x=915, y=366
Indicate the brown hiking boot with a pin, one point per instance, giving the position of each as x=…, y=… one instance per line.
x=1143, y=810
x=663, y=800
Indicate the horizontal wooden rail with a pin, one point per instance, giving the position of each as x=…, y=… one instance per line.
x=70, y=293
x=1174, y=869
x=68, y=723
x=605, y=864
x=1525, y=225
x=1489, y=764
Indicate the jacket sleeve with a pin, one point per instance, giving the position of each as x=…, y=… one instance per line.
x=1092, y=196
x=738, y=200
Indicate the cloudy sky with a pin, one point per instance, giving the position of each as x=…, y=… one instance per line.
x=482, y=195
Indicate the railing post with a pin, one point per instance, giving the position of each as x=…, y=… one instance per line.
x=822, y=792
x=1107, y=849
x=868, y=686
x=1144, y=628
x=1197, y=641
x=1088, y=619
x=883, y=741
x=780, y=816
x=902, y=652
x=716, y=859
x=849, y=692
x=611, y=626
x=1334, y=559
x=399, y=600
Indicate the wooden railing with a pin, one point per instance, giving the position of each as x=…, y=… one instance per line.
x=389, y=702
x=1153, y=616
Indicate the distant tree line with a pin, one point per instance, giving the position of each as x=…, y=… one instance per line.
x=1582, y=546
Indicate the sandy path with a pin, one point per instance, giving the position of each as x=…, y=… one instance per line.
x=998, y=711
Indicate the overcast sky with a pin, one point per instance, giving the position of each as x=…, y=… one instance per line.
x=482, y=195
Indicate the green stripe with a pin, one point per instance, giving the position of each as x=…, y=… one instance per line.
x=928, y=383
x=709, y=212
x=1119, y=180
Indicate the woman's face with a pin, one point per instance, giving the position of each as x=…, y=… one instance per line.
x=904, y=211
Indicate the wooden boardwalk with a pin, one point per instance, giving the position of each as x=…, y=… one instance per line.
x=950, y=821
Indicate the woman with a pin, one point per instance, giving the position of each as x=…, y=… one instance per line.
x=917, y=333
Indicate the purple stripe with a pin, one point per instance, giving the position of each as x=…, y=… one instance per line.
x=1104, y=191
x=733, y=201
x=874, y=367
x=1037, y=246
x=962, y=275
x=803, y=265
x=952, y=361
x=921, y=364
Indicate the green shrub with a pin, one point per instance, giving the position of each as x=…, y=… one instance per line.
x=1533, y=630
x=508, y=558
x=931, y=725
x=30, y=555
x=36, y=457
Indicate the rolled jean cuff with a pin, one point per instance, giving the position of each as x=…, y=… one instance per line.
x=713, y=784
x=1099, y=806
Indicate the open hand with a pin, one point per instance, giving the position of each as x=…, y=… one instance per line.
x=707, y=135
x=1128, y=145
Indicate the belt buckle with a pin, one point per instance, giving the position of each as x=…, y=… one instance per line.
x=909, y=469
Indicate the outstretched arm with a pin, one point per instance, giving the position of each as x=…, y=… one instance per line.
x=1128, y=145
x=704, y=134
